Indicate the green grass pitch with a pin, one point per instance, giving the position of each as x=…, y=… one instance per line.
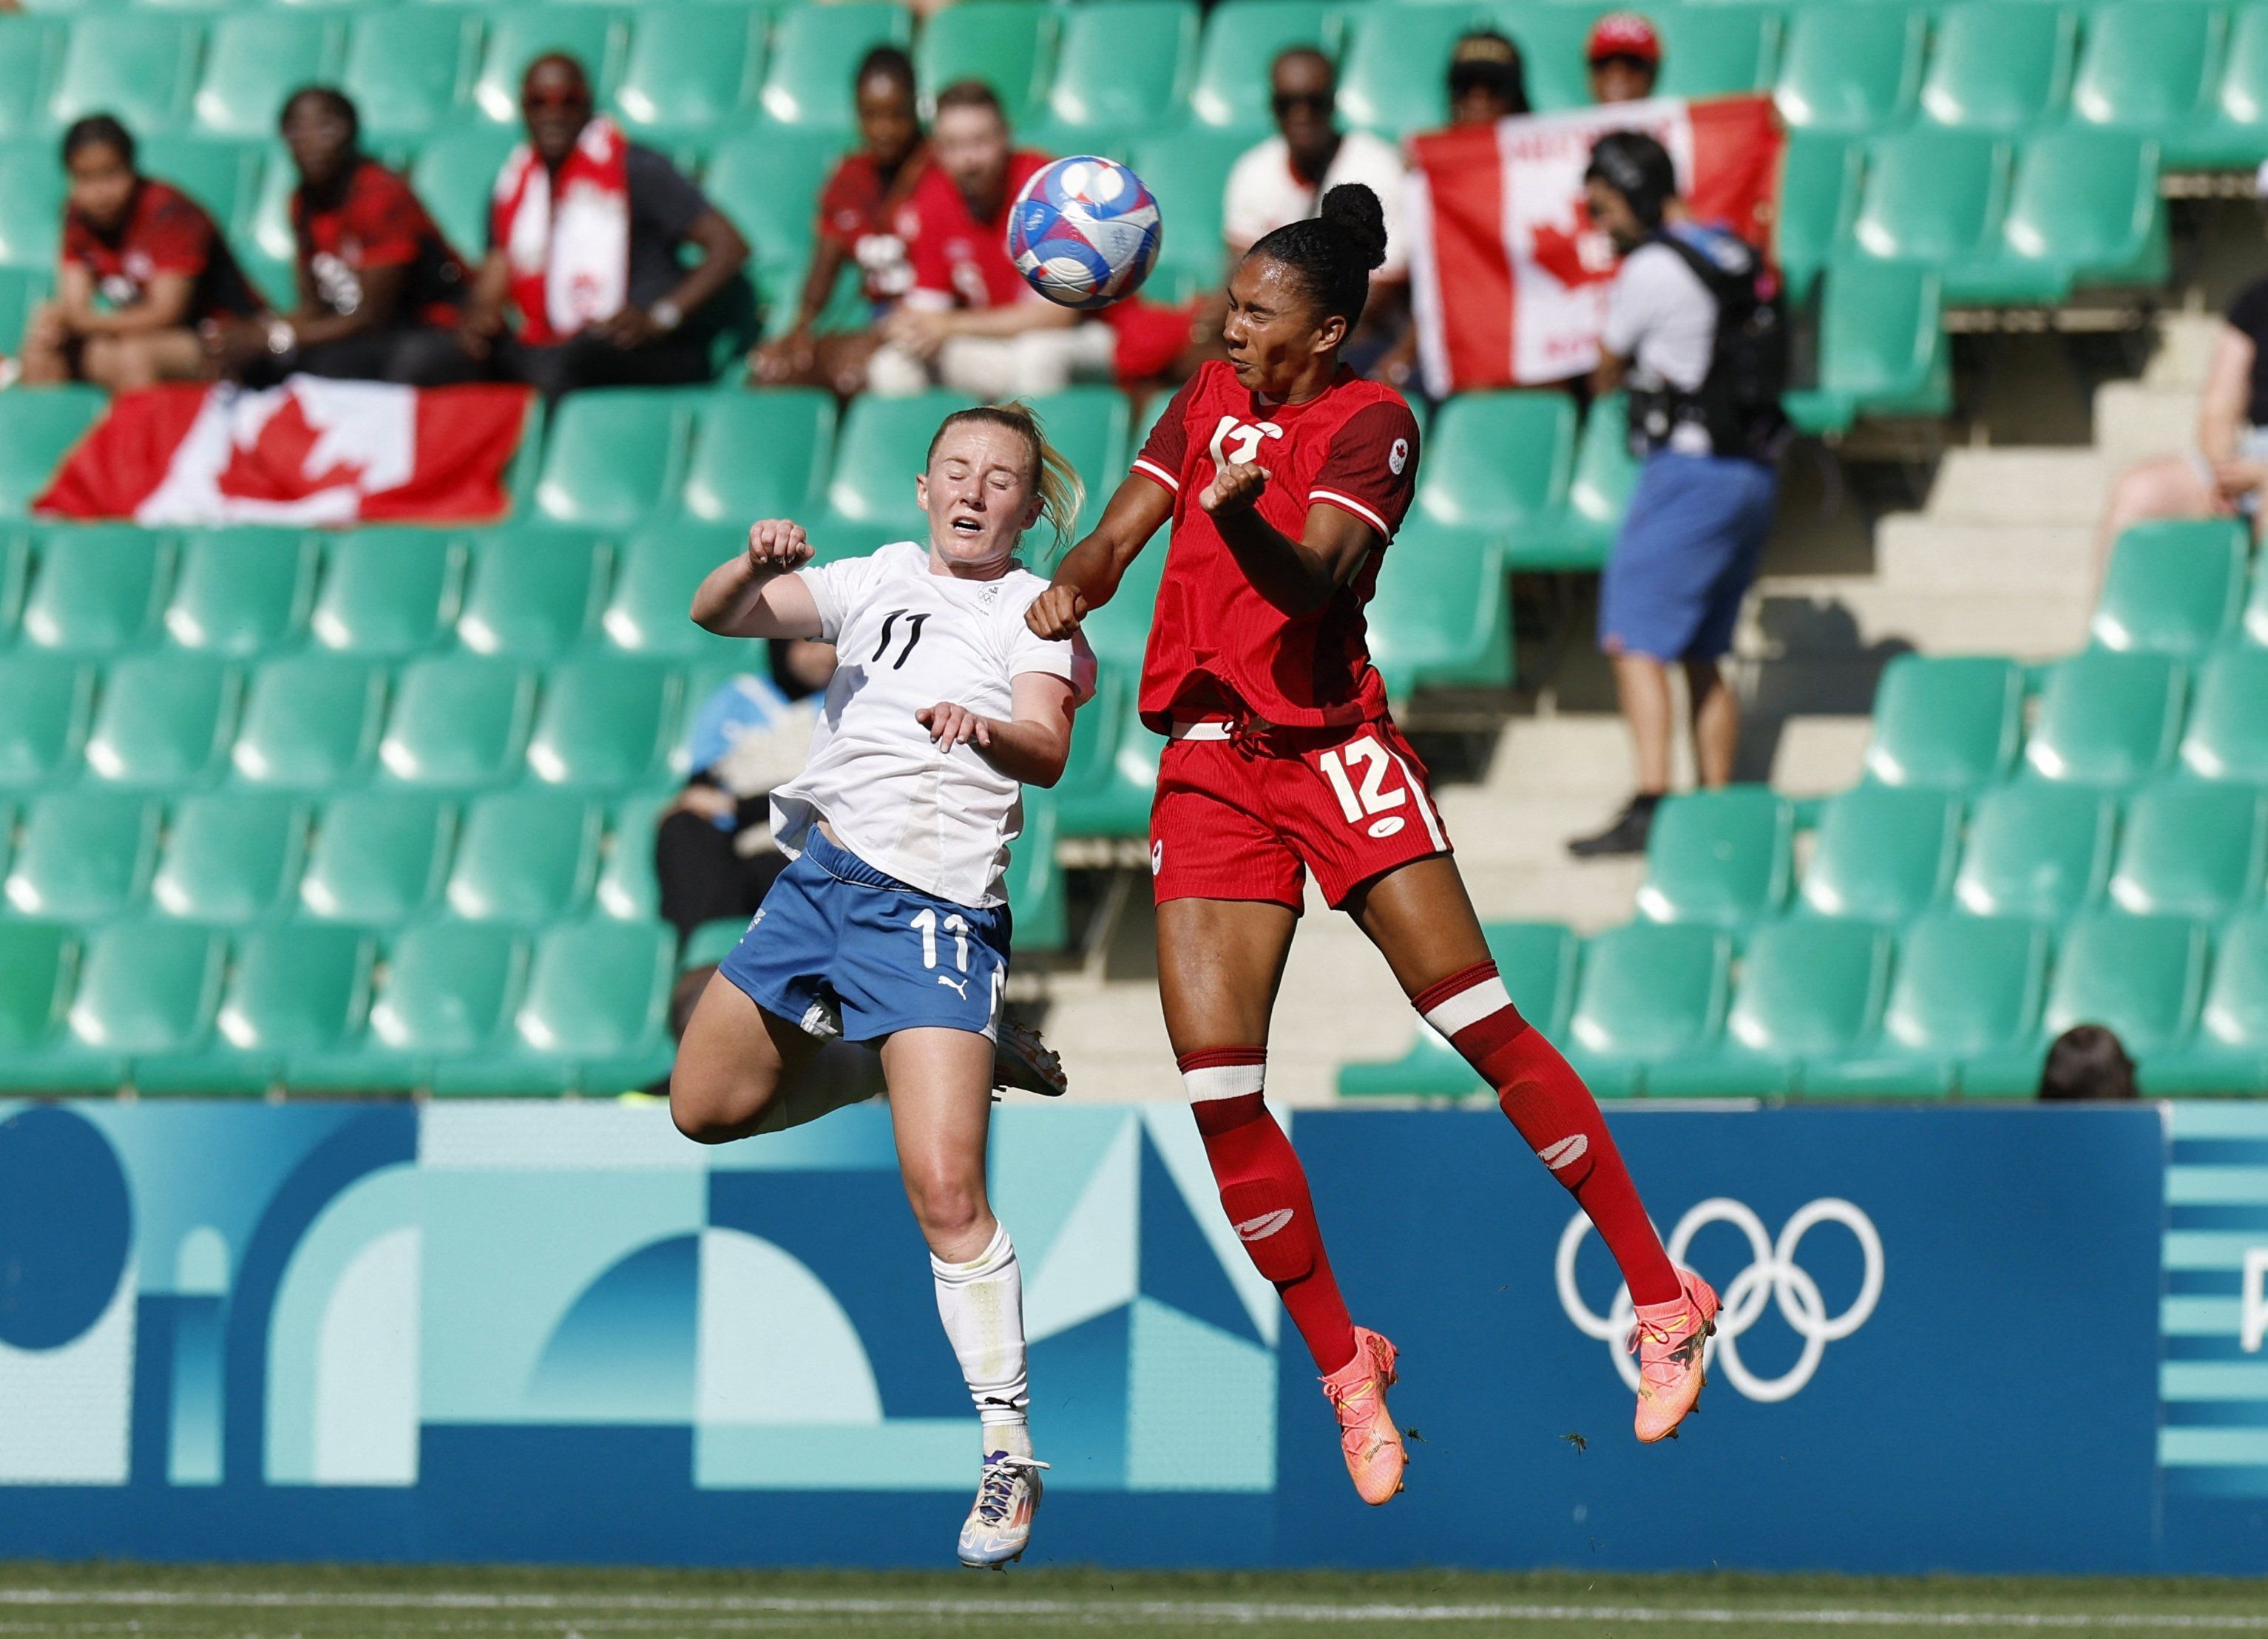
x=244, y=1601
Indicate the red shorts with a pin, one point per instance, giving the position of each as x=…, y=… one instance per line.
x=1247, y=818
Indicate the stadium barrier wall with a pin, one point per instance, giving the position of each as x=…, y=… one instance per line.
x=1984, y=1340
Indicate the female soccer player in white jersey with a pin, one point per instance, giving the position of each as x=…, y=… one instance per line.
x=890, y=926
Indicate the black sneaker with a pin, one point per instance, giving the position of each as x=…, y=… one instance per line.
x=1626, y=836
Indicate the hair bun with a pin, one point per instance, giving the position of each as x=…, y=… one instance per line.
x=1354, y=210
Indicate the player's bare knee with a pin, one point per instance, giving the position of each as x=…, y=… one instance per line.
x=947, y=1202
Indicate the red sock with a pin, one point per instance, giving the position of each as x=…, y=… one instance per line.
x=1555, y=1113
x=1264, y=1189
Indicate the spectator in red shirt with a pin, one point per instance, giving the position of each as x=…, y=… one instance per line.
x=1624, y=54
x=970, y=322
x=379, y=290
x=860, y=213
x=142, y=265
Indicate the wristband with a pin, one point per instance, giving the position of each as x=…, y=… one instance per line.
x=280, y=337
x=666, y=314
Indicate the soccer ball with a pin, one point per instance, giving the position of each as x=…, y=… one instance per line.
x=1085, y=232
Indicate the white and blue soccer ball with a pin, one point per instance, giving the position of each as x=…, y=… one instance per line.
x=1085, y=232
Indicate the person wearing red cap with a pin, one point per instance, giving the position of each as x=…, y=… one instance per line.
x=1625, y=57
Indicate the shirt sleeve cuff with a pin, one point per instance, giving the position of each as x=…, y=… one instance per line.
x=1151, y=469
x=1348, y=503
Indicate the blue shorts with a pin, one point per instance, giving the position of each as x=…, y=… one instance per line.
x=841, y=949
x=1688, y=547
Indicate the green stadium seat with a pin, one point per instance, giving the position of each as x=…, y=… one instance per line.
x=1721, y=857
x=1439, y=615
x=311, y=722
x=2189, y=848
x=1883, y=853
x=2107, y=720
x=1649, y=993
x=377, y=857
x=1951, y=723
x=2228, y=733
x=1008, y=44
x=241, y=592
x=1999, y=67
x=96, y=590
x=45, y=703
x=255, y=59
x=148, y=987
x=446, y=991
x=1113, y=773
x=28, y=49
x=2036, y=850
x=1495, y=464
x=2084, y=211
x=163, y=721
x=527, y=855
x=230, y=857
x=1035, y=882
x=1393, y=80
x=221, y=173
x=136, y=65
x=38, y=961
x=15, y=574
x=1965, y=995
x=1882, y=347
x=1809, y=989
x=613, y=455
x=1820, y=173
x=2232, y=131
x=2172, y=586
x=1087, y=424
x=690, y=68
x=291, y=990
x=815, y=52
x=1598, y=493
x=1187, y=174
x=1853, y=69
x=595, y=36
x=7, y=833
x=458, y=721
x=21, y=290
x=794, y=427
x=1537, y=961
x=592, y=1018
x=767, y=182
x=2255, y=617
x=2229, y=1050
x=1717, y=50
x=627, y=888
x=1119, y=631
x=532, y=592
x=605, y=723
x=1550, y=39
x=2147, y=65
x=31, y=217
x=38, y=425
x=409, y=69
x=650, y=613
x=883, y=448
x=1241, y=40
x=455, y=176
x=1116, y=68
x=84, y=856
x=2143, y=976
x=1932, y=195
x=709, y=943
x=390, y=592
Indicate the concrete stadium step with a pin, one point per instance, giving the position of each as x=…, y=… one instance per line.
x=2020, y=485
x=1923, y=551
x=1845, y=614
x=2184, y=352
x=2134, y=420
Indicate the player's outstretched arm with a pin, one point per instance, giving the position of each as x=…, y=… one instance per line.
x=1089, y=574
x=1298, y=576
x=757, y=594
x=1032, y=747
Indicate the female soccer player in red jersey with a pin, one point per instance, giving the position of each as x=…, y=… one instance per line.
x=1285, y=477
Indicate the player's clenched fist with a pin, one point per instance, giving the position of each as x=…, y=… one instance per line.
x=777, y=544
x=1237, y=485
x=951, y=724
x=1055, y=615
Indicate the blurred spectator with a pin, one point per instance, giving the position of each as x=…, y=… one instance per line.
x=1685, y=300
x=1283, y=180
x=1625, y=57
x=379, y=287
x=970, y=322
x=2087, y=1062
x=859, y=223
x=1488, y=82
x=142, y=265
x=713, y=852
x=584, y=236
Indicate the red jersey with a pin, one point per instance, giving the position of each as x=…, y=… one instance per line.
x=376, y=221
x=165, y=230
x=872, y=220
x=958, y=261
x=1216, y=644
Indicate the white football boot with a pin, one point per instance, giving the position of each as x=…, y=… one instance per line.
x=999, y=1525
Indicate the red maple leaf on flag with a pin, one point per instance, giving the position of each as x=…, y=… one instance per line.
x=274, y=466
x=1572, y=251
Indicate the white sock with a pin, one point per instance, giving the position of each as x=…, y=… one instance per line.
x=982, y=1304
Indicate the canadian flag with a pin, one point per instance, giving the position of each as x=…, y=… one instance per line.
x=1509, y=278
x=311, y=451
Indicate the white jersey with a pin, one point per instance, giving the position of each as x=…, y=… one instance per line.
x=905, y=639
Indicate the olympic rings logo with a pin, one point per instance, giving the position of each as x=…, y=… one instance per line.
x=1772, y=1276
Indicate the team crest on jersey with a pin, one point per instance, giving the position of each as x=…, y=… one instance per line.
x=1236, y=443
x=1398, y=457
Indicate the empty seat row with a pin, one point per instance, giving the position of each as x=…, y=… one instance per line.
x=1818, y=1007
x=172, y=1006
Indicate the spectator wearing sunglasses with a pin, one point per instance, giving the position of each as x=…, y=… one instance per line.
x=583, y=285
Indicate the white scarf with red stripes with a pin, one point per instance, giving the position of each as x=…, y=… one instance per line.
x=567, y=239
